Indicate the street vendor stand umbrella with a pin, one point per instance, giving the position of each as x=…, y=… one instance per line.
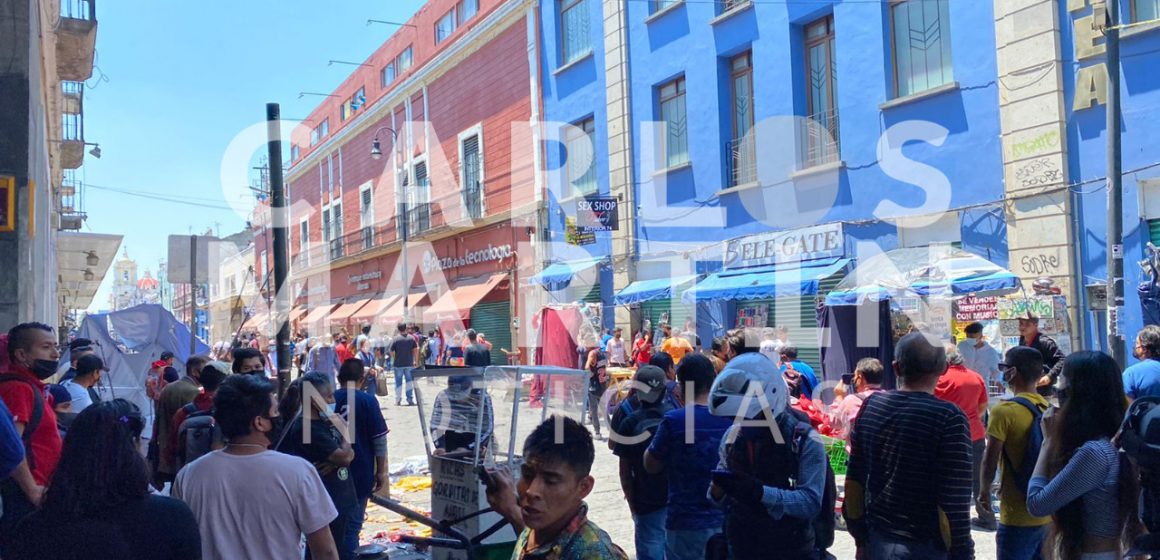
x=939, y=272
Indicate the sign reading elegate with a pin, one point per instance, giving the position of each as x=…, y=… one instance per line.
x=805, y=244
x=491, y=253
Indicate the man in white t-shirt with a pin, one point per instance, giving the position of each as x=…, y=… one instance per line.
x=251, y=502
x=81, y=387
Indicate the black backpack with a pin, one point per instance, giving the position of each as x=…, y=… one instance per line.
x=34, y=421
x=197, y=435
x=826, y=522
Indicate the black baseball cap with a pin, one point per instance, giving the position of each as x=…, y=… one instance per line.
x=80, y=344
x=1023, y=358
x=166, y=355
x=654, y=378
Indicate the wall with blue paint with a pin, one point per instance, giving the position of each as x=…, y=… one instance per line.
x=570, y=94
x=1087, y=162
x=682, y=41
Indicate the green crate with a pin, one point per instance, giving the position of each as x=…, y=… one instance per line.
x=836, y=452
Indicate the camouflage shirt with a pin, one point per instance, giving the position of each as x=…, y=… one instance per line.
x=580, y=540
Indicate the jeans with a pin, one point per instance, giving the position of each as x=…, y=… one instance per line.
x=977, y=449
x=1020, y=543
x=687, y=544
x=650, y=535
x=401, y=374
x=594, y=412
x=884, y=547
x=345, y=531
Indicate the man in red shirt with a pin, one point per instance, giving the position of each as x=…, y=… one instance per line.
x=343, y=349
x=34, y=356
x=966, y=390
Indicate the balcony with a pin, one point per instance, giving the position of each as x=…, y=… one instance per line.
x=72, y=140
x=76, y=39
x=742, y=160
x=818, y=140
x=72, y=215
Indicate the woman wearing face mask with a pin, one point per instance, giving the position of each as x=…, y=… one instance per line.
x=1080, y=479
x=328, y=451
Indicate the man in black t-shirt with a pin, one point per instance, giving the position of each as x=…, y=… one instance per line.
x=404, y=351
x=476, y=355
x=647, y=495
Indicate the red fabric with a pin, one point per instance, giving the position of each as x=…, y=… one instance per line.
x=46, y=444
x=641, y=351
x=817, y=419
x=967, y=390
x=557, y=345
x=344, y=353
x=203, y=401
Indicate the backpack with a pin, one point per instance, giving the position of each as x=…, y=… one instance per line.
x=197, y=435
x=1030, y=449
x=825, y=524
x=34, y=421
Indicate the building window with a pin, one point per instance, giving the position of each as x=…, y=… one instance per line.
x=921, y=34
x=319, y=132
x=403, y=61
x=472, y=177
x=294, y=152
x=658, y=5
x=819, y=138
x=326, y=229
x=445, y=26
x=671, y=109
x=304, y=243
x=388, y=74
x=742, y=148
x=418, y=211
x=336, y=241
x=466, y=9
x=1145, y=10
x=726, y=5
x=575, y=36
x=580, y=144
x=353, y=104
x=366, y=216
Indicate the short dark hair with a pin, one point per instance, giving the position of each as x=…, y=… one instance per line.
x=291, y=402
x=696, y=368
x=973, y=328
x=738, y=342
x=789, y=351
x=20, y=337
x=89, y=364
x=211, y=377
x=575, y=450
x=195, y=362
x=917, y=358
x=243, y=354
x=471, y=335
x=366, y=329
x=402, y=327
x=239, y=400
x=662, y=360
x=351, y=370
x=872, y=370
x=1149, y=338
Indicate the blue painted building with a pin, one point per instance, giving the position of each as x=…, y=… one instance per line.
x=1087, y=163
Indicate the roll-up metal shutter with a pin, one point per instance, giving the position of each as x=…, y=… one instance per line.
x=495, y=321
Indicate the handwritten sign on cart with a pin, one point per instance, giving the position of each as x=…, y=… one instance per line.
x=1016, y=308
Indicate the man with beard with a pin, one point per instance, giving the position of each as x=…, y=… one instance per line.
x=33, y=357
x=250, y=501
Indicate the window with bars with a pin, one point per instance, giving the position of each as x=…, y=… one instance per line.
x=575, y=30
x=418, y=209
x=472, y=184
x=304, y=242
x=336, y=242
x=445, y=26
x=366, y=216
x=1145, y=10
x=742, y=149
x=326, y=229
x=921, y=37
x=580, y=163
x=671, y=110
x=819, y=137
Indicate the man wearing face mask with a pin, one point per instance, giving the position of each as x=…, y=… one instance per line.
x=249, y=501
x=33, y=356
x=455, y=416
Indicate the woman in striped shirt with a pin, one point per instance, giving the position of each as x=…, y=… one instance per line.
x=1080, y=479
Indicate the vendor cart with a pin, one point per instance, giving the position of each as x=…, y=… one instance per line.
x=473, y=419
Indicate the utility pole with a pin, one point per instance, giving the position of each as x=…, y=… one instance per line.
x=192, y=295
x=280, y=219
x=1115, y=192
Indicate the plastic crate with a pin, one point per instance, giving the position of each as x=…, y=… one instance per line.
x=836, y=452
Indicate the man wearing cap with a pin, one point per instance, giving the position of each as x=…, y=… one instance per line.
x=76, y=348
x=1020, y=534
x=81, y=387
x=633, y=426
x=1030, y=336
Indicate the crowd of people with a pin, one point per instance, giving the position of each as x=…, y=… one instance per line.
x=719, y=453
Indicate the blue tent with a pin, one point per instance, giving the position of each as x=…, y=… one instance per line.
x=936, y=271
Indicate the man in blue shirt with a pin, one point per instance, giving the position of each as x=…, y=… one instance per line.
x=1143, y=378
x=800, y=377
x=365, y=417
x=688, y=458
x=978, y=356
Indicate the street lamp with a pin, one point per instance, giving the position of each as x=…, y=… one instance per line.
x=400, y=215
x=376, y=148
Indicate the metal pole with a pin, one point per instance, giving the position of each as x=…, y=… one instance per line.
x=281, y=256
x=403, y=254
x=1115, y=263
x=192, y=295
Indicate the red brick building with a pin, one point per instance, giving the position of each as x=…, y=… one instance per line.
x=448, y=97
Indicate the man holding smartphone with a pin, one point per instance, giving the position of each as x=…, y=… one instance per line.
x=865, y=381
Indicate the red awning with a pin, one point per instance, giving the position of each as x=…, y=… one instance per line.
x=297, y=313
x=346, y=310
x=374, y=308
x=456, y=304
x=394, y=313
x=319, y=313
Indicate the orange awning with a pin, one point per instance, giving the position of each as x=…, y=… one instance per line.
x=319, y=313
x=297, y=313
x=456, y=304
x=374, y=308
x=394, y=313
x=344, y=311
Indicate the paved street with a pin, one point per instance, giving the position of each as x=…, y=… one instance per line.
x=606, y=503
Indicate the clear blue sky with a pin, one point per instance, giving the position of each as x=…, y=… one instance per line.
x=182, y=80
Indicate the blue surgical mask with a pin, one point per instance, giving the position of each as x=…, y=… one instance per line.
x=330, y=407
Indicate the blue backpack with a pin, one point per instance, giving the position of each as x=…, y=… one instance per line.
x=1030, y=450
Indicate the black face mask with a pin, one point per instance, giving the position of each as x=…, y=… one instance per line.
x=43, y=369
x=277, y=424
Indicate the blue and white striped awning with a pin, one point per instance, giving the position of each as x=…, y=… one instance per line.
x=648, y=290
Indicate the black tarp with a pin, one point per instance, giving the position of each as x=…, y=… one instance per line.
x=843, y=351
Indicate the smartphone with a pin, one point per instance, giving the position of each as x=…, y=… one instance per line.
x=485, y=477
